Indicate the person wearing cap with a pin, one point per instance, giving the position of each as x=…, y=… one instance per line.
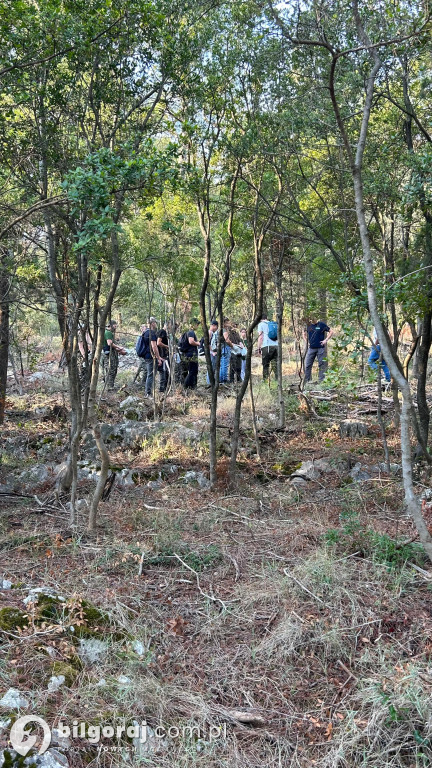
x=151, y=356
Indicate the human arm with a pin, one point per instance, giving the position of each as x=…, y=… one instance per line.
x=327, y=339
x=260, y=341
x=161, y=344
x=227, y=338
x=154, y=348
x=193, y=341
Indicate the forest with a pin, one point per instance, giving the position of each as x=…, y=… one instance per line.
x=215, y=387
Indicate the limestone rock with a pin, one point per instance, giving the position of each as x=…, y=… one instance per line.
x=56, y=681
x=92, y=650
x=196, y=478
x=359, y=473
x=13, y=699
x=307, y=471
x=52, y=759
x=351, y=428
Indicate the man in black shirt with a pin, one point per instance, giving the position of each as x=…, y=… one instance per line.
x=190, y=356
x=316, y=336
x=163, y=345
x=151, y=356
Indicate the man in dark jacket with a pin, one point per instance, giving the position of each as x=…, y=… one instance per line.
x=151, y=356
x=317, y=338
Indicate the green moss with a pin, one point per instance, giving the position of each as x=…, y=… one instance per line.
x=12, y=619
x=69, y=672
x=17, y=761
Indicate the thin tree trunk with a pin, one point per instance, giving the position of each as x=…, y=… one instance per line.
x=380, y=416
x=423, y=358
x=254, y=421
x=4, y=330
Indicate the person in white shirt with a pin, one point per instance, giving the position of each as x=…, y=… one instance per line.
x=267, y=348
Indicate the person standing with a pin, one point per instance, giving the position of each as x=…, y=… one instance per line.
x=141, y=374
x=267, y=348
x=213, y=341
x=151, y=356
x=317, y=338
x=189, y=350
x=236, y=355
x=110, y=353
x=243, y=336
x=163, y=345
x=226, y=345
x=374, y=357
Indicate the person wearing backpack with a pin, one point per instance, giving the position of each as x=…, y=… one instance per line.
x=317, y=338
x=268, y=346
x=141, y=374
x=150, y=354
x=188, y=349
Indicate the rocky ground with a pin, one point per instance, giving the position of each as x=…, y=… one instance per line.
x=282, y=621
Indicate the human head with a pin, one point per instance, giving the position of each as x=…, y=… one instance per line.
x=264, y=316
x=243, y=333
x=214, y=325
x=112, y=325
x=194, y=322
x=226, y=322
x=153, y=322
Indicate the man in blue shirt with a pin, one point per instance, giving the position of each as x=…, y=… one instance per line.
x=375, y=356
x=317, y=338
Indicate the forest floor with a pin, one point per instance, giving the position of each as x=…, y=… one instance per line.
x=267, y=623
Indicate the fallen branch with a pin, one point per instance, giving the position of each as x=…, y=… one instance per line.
x=201, y=591
x=287, y=573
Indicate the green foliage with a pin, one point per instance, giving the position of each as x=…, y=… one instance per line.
x=354, y=536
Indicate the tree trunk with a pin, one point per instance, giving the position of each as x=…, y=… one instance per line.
x=422, y=363
x=4, y=330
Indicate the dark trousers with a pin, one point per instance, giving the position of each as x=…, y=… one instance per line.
x=321, y=354
x=269, y=356
x=109, y=367
x=191, y=366
x=235, y=368
x=163, y=377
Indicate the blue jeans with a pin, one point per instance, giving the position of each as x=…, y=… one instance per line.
x=224, y=365
x=373, y=361
x=213, y=363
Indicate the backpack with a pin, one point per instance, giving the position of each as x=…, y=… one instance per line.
x=272, y=331
x=183, y=346
x=141, y=345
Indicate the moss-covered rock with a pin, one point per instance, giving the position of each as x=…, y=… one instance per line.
x=70, y=672
x=12, y=619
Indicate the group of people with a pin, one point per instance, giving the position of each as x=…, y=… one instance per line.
x=162, y=352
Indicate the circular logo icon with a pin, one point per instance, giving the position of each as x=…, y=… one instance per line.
x=22, y=740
